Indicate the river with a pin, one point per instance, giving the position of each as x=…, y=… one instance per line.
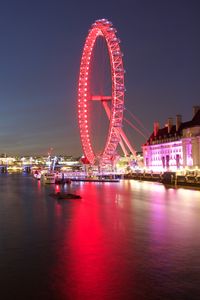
x=126, y=240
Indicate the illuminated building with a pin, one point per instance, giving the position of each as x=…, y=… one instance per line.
x=174, y=147
x=28, y=163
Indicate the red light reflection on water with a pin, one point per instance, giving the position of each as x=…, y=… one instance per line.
x=57, y=188
x=89, y=250
x=39, y=185
x=93, y=243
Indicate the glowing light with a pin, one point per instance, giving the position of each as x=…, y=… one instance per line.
x=102, y=28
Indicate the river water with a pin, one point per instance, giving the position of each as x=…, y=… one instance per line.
x=127, y=240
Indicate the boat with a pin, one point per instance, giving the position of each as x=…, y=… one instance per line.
x=37, y=175
x=48, y=178
x=65, y=196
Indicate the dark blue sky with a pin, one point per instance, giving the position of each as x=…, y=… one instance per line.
x=41, y=45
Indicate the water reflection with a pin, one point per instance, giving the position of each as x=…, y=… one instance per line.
x=94, y=242
x=131, y=240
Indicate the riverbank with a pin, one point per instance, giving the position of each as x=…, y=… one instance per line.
x=167, y=178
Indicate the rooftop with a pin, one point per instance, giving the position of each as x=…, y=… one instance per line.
x=170, y=131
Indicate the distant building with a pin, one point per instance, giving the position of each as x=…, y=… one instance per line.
x=175, y=146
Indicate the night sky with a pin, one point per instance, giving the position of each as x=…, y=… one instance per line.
x=41, y=46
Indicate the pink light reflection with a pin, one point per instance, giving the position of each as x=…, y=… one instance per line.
x=93, y=254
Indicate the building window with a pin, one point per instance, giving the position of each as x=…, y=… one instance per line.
x=163, y=162
x=167, y=161
x=177, y=161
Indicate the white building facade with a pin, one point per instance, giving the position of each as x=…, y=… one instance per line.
x=174, y=147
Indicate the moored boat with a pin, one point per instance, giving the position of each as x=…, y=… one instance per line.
x=48, y=178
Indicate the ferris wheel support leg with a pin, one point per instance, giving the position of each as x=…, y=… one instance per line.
x=107, y=109
x=123, y=147
x=124, y=137
x=121, y=133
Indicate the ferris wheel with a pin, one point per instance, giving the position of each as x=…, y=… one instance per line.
x=114, y=111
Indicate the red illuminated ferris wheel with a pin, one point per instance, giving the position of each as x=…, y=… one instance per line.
x=114, y=112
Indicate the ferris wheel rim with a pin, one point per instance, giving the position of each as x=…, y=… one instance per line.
x=101, y=28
